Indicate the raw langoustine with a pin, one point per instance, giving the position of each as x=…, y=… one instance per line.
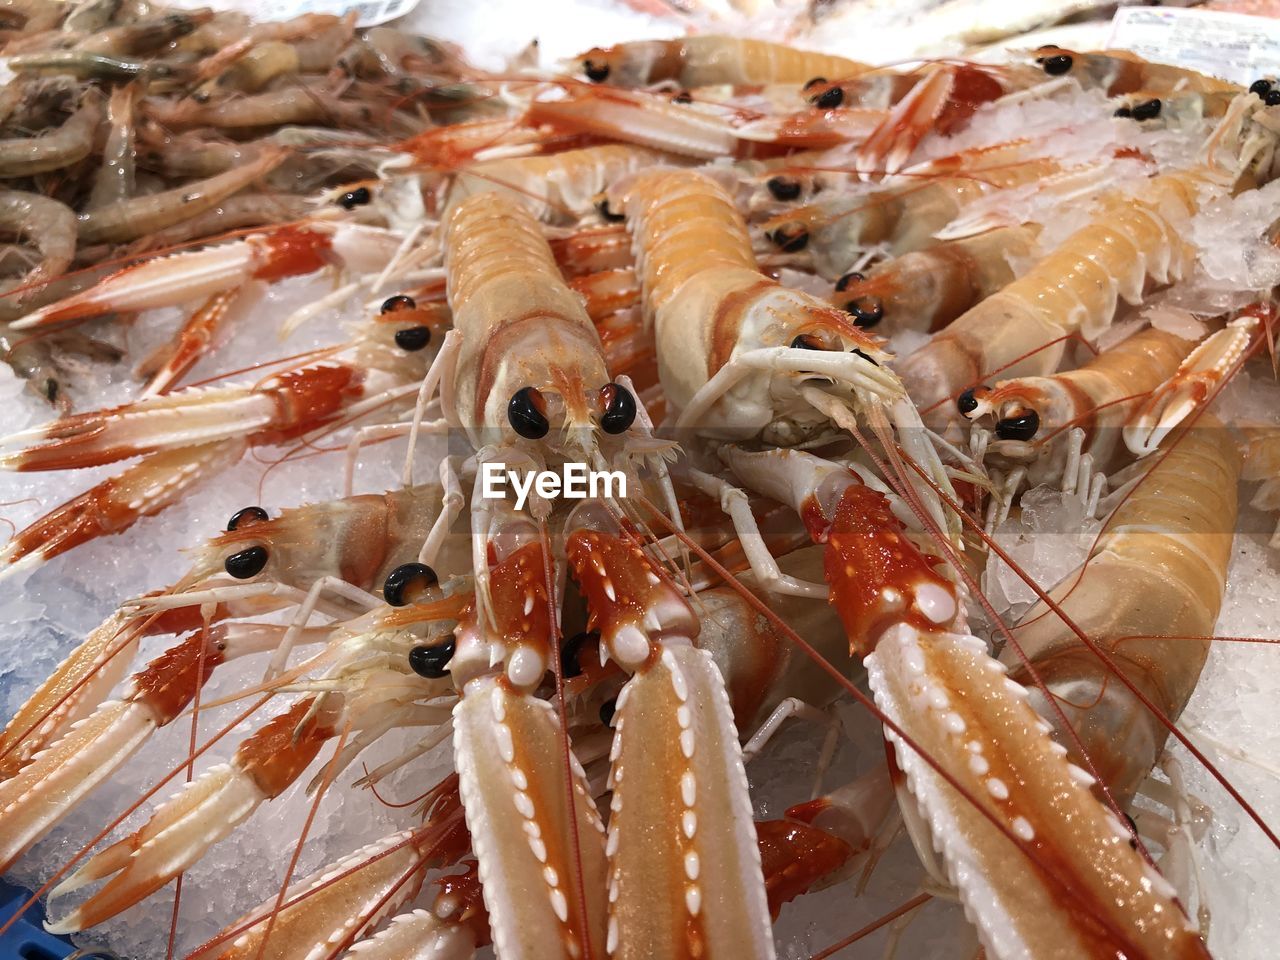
x=624, y=267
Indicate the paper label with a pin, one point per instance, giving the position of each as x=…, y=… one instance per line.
x=370, y=12
x=1231, y=46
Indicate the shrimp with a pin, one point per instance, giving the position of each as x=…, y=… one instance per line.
x=719, y=323
x=88, y=65
x=289, y=250
x=188, y=435
x=705, y=61
x=146, y=34
x=1148, y=596
x=266, y=61
x=266, y=763
x=904, y=218
x=1021, y=330
x=1148, y=383
x=50, y=225
x=703, y=132
x=115, y=180
x=301, y=103
x=926, y=289
x=70, y=143
x=515, y=372
x=1014, y=821
x=346, y=899
x=257, y=565
x=560, y=188
x=510, y=374
x=128, y=219
x=1118, y=72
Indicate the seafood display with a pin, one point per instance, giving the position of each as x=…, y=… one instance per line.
x=702, y=498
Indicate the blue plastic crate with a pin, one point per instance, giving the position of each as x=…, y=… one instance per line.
x=27, y=939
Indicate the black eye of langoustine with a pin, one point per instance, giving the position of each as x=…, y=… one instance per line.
x=430, y=662
x=399, y=302
x=1019, y=428
x=853, y=277
x=806, y=341
x=1147, y=110
x=783, y=188
x=829, y=98
x=866, y=311
x=246, y=517
x=790, y=237
x=406, y=580
x=966, y=403
x=619, y=408
x=246, y=563
x=596, y=72
x=524, y=413
x=355, y=198
x=1260, y=87
x=413, y=338
x=1056, y=65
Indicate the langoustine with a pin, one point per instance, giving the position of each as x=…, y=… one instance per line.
x=507, y=644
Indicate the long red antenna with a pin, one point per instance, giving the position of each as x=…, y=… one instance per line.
x=918, y=900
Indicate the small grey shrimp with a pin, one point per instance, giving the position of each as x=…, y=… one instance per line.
x=234, y=213
x=114, y=181
x=37, y=103
x=224, y=28
x=299, y=104
x=251, y=71
x=270, y=59
x=50, y=225
x=129, y=219
x=39, y=360
x=33, y=360
x=70, y=143
x=35, y=16
x=189, y=156
x=92, y=65
x=145, y=35
x=317, y=51
x=383, y=50
x=92, y=16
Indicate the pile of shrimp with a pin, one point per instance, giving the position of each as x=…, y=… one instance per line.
x=129, y=128
x=924, y=413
